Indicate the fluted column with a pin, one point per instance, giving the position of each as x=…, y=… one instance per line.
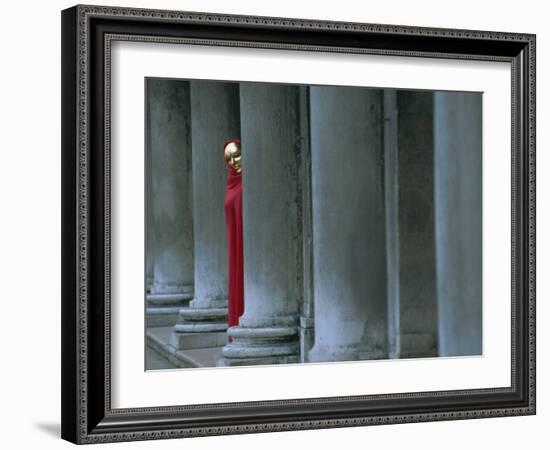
x=170, y=143
x=214, y=118
x=458, y=219
x=270, y=137
x=349, y=251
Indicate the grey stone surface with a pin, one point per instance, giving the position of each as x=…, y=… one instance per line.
x=161, y=317
x=169, y=140
x=349, y=251
x=168, y=299
x=417, y=290
x=163, y=309
x=222, y=361
x=457, y=177
x=158, y=340
x=271, y=148
x=149, y=221
x=215, y=118
x=271, y=204
x=201, y=320
x=419, y=345
x=308, y=306
x=210, y=314
x=155, y=360
x=391, y=199
x=201, y=357
x=187, y=341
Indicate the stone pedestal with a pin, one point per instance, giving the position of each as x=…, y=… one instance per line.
x=349, y=251
x=271, y=147
x=170, y=200
x=458, y=219
x=163, y=309
x=215, y=117
x=199, y=328
x=261, y=345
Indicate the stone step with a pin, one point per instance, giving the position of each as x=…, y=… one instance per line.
x=155, y=360
x=163, y=309
x=158, y=338
x=201, y=357
x=188, y=341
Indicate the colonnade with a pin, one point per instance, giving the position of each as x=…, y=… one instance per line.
x=340, y=241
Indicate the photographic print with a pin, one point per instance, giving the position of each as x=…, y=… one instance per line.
x=280, y=204
x=291, y=223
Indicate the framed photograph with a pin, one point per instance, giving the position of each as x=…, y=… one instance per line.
x=278, y=224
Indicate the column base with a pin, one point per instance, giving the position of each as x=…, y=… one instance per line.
x=162, y=309
x=220, y=303
x=418, y=345
x=201, y=320
x=307, y=337
x=200, y=328
x=222, y=361
x=351, y=352
x=255, y=346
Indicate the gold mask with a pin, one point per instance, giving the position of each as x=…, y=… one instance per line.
x=232, y=155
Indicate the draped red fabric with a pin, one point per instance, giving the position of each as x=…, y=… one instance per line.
x=234, y=223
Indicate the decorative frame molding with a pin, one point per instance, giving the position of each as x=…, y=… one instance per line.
x=87, y=34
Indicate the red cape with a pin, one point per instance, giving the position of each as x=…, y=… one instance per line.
x=234, y=222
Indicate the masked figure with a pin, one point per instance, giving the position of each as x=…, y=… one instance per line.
x=234, y=222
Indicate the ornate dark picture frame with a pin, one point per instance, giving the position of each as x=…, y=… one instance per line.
x=87, y=33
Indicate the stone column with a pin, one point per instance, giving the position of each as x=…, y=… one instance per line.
x=458, y=219
x=149, y=228
x=349, y=250
x=214, y=118
x=307, y=316
x=170, y=140
x=417, y=277
x=391, y=196
x=268, y=329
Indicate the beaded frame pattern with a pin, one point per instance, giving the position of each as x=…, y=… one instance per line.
x=84, y=13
